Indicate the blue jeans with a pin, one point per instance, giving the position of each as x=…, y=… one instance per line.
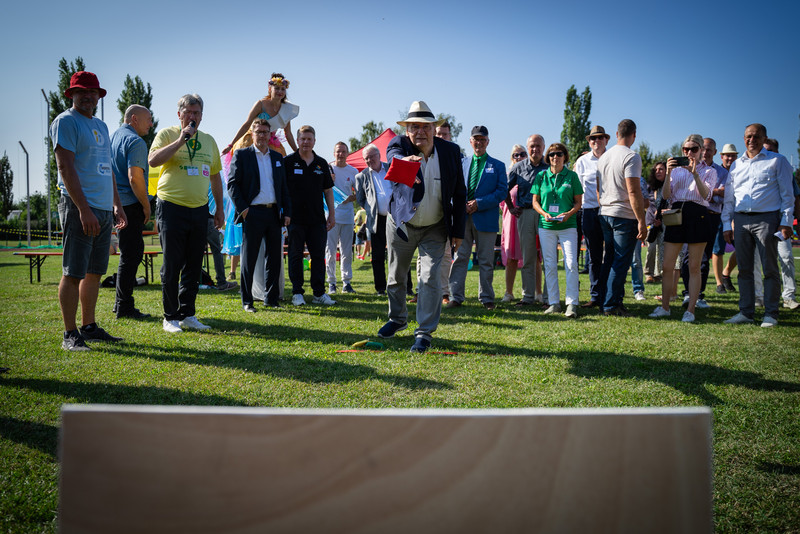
x=637, y=272
x=619, y=235
x=593, y=234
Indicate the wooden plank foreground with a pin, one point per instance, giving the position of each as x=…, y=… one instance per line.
x=242, y=470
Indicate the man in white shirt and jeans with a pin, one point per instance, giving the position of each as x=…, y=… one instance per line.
x=341, y=235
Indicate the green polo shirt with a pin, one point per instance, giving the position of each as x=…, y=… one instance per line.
x=557, y=195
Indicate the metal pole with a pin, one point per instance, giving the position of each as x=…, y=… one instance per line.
x=49, y=213
x=28, y=180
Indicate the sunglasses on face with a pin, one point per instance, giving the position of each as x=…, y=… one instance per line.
x=596, y=138
x=518, y=155
x=556, y=154
x=691, y=149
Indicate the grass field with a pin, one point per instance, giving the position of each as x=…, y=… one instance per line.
x=749, y=376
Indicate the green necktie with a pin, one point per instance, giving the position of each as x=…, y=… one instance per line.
x=473, y=178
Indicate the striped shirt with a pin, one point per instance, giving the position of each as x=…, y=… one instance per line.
x=683, y=187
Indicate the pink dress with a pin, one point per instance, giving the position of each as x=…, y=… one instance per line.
x=509, y=238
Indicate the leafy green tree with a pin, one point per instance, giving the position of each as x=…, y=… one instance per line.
x=135, y=92
x=58, y=105
x=38, y=209
x=369, y=131
x=576, y=121
x=649, y=158
x=6, y=187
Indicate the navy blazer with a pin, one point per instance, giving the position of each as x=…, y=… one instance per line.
x=454, y=192
x=244, y=182
x=491, y=191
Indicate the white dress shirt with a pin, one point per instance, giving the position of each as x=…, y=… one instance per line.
x=266, y=194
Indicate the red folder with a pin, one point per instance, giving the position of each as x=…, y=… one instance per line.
x=402, y=171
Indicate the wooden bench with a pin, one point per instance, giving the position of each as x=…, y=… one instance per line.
x=234, y=470
x=36, y=259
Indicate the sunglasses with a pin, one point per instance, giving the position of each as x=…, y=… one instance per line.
x=556, y=154
x=518, y=155
x=692, y=149
x=596, y=138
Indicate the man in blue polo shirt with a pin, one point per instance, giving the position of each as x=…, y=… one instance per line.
x=87, y=208
x=129, y=163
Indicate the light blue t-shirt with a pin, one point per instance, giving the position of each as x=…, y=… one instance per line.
x=128, y=150
x=88, y=140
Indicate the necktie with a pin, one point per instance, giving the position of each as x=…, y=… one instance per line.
x=473, y=179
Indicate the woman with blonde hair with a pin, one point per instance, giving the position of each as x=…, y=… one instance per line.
x=510, y=250
x=688, y=188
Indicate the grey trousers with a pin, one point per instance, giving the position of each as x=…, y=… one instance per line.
x=484, y=246
x=753, y=234
x=528, y=228
x=429, y=241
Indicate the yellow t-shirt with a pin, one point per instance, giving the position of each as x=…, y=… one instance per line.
x=183, y=180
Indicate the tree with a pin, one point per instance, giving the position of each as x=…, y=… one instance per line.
x=58, y=105
x=369, y=131
x=38, y=209
x=576, y=122
x=134, y=92
x=649, y=158
x=6, y=187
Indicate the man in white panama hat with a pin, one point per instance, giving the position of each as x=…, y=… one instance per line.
x=438, y=204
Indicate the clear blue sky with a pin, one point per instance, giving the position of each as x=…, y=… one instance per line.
x=679, y=68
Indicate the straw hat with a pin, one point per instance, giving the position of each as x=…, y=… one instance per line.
x=420, y=112
x=598, y=131
x=729, y=148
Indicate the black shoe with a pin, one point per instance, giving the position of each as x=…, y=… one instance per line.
x=249, y=308
x=591, y=304
x=381, y=293
x=133, y=314
x=93, y=332
x=726, y=281
x=583, y=271
x=421, y=344
x=489, y=305
x=348, y=289
x=73, y=341
x=391, y=328
x=721, y=289
x=453, y=304
x=273, y=305
x=618, y=311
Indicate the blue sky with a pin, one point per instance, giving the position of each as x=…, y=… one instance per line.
x=692, y=67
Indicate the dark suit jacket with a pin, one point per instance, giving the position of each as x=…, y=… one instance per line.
x=454, y=192
x=244, y=182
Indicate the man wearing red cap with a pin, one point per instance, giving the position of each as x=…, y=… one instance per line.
x=87, y=208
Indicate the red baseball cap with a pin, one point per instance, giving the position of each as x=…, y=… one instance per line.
x=84, y=80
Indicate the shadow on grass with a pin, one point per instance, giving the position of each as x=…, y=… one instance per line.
x=689, y=378
x=32, y=435
x=779, y=469
x=309, y=370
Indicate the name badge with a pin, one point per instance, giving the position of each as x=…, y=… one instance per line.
x=298, y=171
x=192, y=171
x=489, y=170
x=554, y=208
x=277, y=163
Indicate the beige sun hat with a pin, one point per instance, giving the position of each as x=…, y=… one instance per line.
x=729, y=148
x=420, y=112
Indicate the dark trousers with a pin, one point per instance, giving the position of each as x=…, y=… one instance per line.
x=262, y=224
x=131, y=248
x=315, y=237
x=593, y=234
x=182, y=232
x=214, y=239
x=714, y=221
x=379, y=254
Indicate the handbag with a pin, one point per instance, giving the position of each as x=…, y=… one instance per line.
x=672, y=217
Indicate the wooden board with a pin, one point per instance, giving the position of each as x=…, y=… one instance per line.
x=242, y=470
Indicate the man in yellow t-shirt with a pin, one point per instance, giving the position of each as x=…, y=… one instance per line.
x=189, y=160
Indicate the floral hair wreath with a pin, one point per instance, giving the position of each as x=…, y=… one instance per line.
x=279, y=81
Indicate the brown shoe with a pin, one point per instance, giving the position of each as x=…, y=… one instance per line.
x=489, y=305
x=619, y=311
x=452, y=304
x=650, y=280
x=524, y=303
x=445, y=299
x=412, y=300
x=591, y=304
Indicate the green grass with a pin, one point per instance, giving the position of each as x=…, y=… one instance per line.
x=506, y=358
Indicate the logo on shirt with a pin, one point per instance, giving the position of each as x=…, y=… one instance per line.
x=194, y=144
x=98, y=138
x=206, y=171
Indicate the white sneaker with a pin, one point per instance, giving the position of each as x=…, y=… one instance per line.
x=659, y=312
x=639, y=295
x=759, y=302
x=739, y=318
x=508, y=297
x=324, y=300
x=192, y=323
x=298, y=300
x=702, y=304
x=572, y=311
x=791, y=304
x=172, y=326
x=769, y=322
x=686, y=300
x=688, y=317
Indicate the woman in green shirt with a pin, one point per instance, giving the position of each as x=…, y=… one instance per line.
x=557, y=197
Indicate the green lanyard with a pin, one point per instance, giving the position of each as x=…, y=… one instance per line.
x=189, y=150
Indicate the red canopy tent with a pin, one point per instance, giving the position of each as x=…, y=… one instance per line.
x=382, y=141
